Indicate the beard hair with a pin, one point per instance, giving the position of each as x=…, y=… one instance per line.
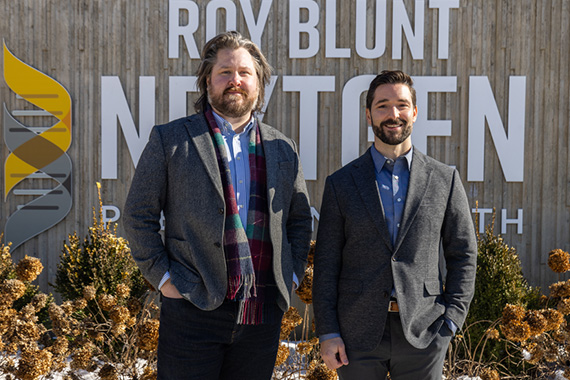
x=231, y=107
x=392, y=139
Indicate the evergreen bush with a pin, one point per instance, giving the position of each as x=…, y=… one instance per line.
x=499, y=281
x=102, y=261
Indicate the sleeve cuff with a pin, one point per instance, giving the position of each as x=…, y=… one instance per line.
x=165, y=278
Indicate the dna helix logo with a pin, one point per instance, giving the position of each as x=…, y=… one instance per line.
x=36, y=152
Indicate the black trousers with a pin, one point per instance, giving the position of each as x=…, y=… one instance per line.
x=395, y=355
x=210, y=345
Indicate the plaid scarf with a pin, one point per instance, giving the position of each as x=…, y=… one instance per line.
x=248, y=250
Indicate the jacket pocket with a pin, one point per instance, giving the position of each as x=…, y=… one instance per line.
x=433, y=287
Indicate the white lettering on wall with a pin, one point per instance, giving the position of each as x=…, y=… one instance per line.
x=115, y=108
x=309, y=88
x=296, y=27
x=256, y=27
x=175, y=30
x=423, y=126
x=380, y=30
x=179, y=86
x=400, y=22
x=331, y=51
x=444, y=9
x=510, y=149
x=518, y=221
x=211, y=17
x=351, y=116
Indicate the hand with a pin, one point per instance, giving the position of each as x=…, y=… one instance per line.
x=333, y=353
x=169, y=290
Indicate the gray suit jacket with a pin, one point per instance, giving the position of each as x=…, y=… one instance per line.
x=356, y=265
x=178, y=174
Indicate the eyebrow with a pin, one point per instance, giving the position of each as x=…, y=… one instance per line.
x=399, y=100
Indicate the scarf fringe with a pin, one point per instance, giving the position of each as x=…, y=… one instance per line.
x=245, y=283
x=250, y=312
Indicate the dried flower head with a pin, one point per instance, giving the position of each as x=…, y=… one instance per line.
x=119, y=314
x=282, y=355
x=123, y=291
x=560, y=289
x=536, y=322
x=305, y=289
x=564, y=306
x=290, y=320
x=553, y=318
x=106, y=301
x=305, y=348
x=512, y=313
x=33, y=364
x=311, y=254
x=492, y=333
x=134, y=306
x=13, y=289
x=516, y=330
x=551, y=353
x=536, y=353
x=118, y=329
x=89, y=292
x=559, y=261
x=108, y=372
x=319, y=371
x=148, y=334
x=29, y=268
x=81, y=356
x=149, y=373
x=39, y=301
x=79, y=304
x=490, y=374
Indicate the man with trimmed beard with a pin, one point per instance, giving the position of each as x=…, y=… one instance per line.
x=237, y=223
x=385, y=299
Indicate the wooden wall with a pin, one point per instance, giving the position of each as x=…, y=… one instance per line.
x=78, y=42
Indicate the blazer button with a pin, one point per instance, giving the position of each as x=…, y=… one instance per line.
x=386, y=294
x=394, y=258
x=221, y=211
x=217, y=244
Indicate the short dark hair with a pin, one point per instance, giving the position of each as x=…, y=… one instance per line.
x=390, y=77
x=230, y=40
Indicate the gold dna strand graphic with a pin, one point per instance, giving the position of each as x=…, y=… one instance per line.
x=36, y=152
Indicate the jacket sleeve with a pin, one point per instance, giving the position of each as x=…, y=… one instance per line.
x=328, y=261
x=142, y=211
x=460, y=252
x=299, y=221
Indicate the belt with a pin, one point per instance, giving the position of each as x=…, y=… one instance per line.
x=393, y=306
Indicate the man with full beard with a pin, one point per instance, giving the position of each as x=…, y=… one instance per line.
x=237, y=223
x=385, y=300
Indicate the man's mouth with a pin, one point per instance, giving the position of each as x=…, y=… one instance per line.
x=235, y=91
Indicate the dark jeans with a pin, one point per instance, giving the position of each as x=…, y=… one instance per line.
x=395, y=355
x=197, y=344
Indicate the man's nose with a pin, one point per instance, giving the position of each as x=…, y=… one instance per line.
x=394, y=112
x=235, y=79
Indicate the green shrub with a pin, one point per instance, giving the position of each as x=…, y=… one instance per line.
x=499, y=281
x=102, y=260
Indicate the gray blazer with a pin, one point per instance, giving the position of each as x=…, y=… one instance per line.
x=356, y=265
x=178, y=174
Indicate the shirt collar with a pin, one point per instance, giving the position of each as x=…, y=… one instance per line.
x=379, y=159
x=226, y=127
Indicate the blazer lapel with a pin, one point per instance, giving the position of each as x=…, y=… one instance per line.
x=365, y=178
x=201, y=138
x=420, y=174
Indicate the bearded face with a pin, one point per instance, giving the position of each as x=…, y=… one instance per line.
x=233, y=86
